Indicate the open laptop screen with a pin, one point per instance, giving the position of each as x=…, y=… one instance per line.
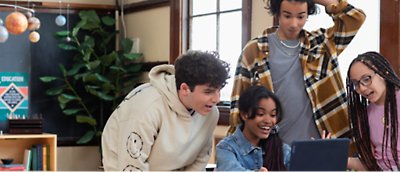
x=320, y=155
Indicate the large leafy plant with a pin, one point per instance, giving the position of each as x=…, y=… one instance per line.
x=98, y=77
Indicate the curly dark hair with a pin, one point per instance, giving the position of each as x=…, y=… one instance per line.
x=358, y=111
x=248, y=103
x=274, y=6
x=201, y=67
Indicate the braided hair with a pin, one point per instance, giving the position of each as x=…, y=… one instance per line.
x=272, y=146
x=358, y=112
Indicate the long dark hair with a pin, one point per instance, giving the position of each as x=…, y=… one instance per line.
x=358, y=111
x=272, y=146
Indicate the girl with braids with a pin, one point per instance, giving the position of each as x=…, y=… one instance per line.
x=374, y=98
x=255, y=144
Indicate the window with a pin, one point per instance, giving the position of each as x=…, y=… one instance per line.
x=369, y=32
x=216, y=25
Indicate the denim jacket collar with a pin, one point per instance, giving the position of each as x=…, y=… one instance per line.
x=245, y=147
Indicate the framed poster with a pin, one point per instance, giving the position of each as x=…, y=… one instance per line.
x=14, y=102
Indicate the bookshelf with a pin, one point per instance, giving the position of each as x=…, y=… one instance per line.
x=14, y=145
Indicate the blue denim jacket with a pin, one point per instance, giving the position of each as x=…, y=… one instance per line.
x=236, y=153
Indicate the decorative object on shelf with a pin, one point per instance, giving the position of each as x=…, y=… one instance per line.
x=3, y=32
x=60, y=19
x=7, y=161
x=25, y=126
x=17, y=23
x=68, y=39
x=33, y=23
x=34, y=36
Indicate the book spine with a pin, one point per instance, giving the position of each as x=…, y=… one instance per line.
x=34, y=158
x=27, y=159
x=40, y=156
x=44, y=161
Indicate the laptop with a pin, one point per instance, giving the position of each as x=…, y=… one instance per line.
x=319, y=155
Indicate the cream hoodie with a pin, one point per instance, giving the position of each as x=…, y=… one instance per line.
x=152, y=130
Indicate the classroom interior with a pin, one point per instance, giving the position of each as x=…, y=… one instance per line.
x=161, y=36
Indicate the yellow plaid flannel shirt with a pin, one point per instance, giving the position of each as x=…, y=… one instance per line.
x=318, y=56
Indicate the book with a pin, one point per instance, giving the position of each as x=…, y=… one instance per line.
x=39, y=156
x=48, y=157
x=44, y=157
x=27, y=159
x=12, y=167
x=34, y=158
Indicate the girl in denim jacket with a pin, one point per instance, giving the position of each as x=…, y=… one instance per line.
x=255, y=144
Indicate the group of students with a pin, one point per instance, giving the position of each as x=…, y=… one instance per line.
x=287, y=87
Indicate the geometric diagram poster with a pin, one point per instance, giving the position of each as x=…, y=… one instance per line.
x=13, y=95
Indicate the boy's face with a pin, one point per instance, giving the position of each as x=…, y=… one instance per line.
x=292, y=18
x=201, y=99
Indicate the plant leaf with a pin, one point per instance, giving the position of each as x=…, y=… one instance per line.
x=93, y=64
x=107, y=39
x=126, y=45
x=87, y=137
x=92, y=86
x=62, y=105
x=108, y=21
x=107, y=87
x=132, y=56
x=89, y=15
x=55, y=91
x=75, y=69
x=70, y=97
x=78, y=26
x=102, y=78
x=89, y=42
x=105, y=96
x=86, y=56
x=71, y=111
x=63, y=70
x=49, y=78
x=86, y=119
x=108, y=59
x=135, y=68
x=93, y=20
x=117, y=68
x=66, y=46
x=62, y=34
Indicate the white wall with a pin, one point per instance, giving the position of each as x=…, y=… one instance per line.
x=152, y=28
x=260, y=18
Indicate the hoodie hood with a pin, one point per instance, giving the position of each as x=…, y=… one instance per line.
x=163, y=79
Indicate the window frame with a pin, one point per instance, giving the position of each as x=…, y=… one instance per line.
x=179, y=32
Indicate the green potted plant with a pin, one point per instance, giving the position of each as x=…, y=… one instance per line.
x=99, y=76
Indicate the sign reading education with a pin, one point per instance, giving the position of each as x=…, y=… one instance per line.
x=13, y=95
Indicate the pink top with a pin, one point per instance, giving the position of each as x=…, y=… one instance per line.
x=375, y=118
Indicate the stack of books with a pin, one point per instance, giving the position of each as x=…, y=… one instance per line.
x=25, y=126
x=38, y=157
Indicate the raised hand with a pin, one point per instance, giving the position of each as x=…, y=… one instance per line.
x=326, y=2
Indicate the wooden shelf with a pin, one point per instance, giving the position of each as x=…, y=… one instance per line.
x=14, y=145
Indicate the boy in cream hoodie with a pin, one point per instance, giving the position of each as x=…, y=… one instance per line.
x=167, y=124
